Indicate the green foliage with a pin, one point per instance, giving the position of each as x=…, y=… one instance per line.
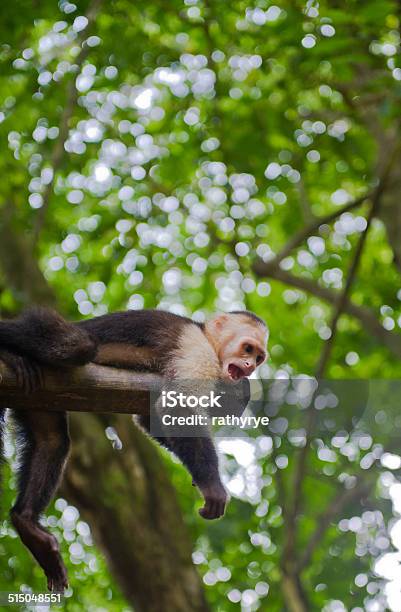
x=202, y=137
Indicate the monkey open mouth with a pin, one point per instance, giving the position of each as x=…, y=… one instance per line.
x=235, y=372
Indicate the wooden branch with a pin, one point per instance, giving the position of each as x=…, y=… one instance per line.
x=91, y=388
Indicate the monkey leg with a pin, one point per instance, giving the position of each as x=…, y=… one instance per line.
x=44, y=444
x=200, y=458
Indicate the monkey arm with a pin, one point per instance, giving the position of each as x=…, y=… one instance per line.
x=194, y=448
x=125, y=355
x=199, y=456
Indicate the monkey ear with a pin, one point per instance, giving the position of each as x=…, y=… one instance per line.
x=220, y=321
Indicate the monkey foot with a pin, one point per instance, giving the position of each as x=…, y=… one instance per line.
x=30, y=376
x=27, y=372
x=56, y=573
x=216, y=499
x=44, y=547
x=57, y=580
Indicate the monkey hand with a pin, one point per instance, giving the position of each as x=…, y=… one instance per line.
x=57, y=580
x=216, y=500
x=27, y=372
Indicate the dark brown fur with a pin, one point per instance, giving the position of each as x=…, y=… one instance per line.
x=127, y=356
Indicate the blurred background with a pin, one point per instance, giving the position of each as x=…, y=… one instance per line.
x=196, y=156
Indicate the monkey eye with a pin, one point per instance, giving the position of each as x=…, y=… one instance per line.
x=248, y=348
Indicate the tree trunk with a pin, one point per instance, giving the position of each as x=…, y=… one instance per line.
x=21, y=271
x=132, y=508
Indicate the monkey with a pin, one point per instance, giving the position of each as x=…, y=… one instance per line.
x=228, y=347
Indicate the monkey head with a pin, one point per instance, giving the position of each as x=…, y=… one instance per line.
x=239, y=339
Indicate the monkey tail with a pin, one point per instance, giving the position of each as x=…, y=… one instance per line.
x=43, y=335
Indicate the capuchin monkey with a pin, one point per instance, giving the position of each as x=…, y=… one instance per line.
x=228, y=347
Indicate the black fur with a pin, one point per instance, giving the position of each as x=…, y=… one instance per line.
x=249, y=314
x=199, y=456
x=156, y=329
x=45, y=337
x=43, y=444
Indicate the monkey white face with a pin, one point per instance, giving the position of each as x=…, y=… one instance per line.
x=240, y=344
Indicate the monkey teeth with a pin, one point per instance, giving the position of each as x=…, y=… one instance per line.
x=235, y=372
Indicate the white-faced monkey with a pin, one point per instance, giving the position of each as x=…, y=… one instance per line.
x=228, y=347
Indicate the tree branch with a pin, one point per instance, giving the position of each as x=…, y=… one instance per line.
x=366, y=316
x=90, y=388
x=344, y=294
x=289, y=555
x=340, y=303
x=305, y=203
x=323, y=521
x=294, y=594
x=306, y=231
